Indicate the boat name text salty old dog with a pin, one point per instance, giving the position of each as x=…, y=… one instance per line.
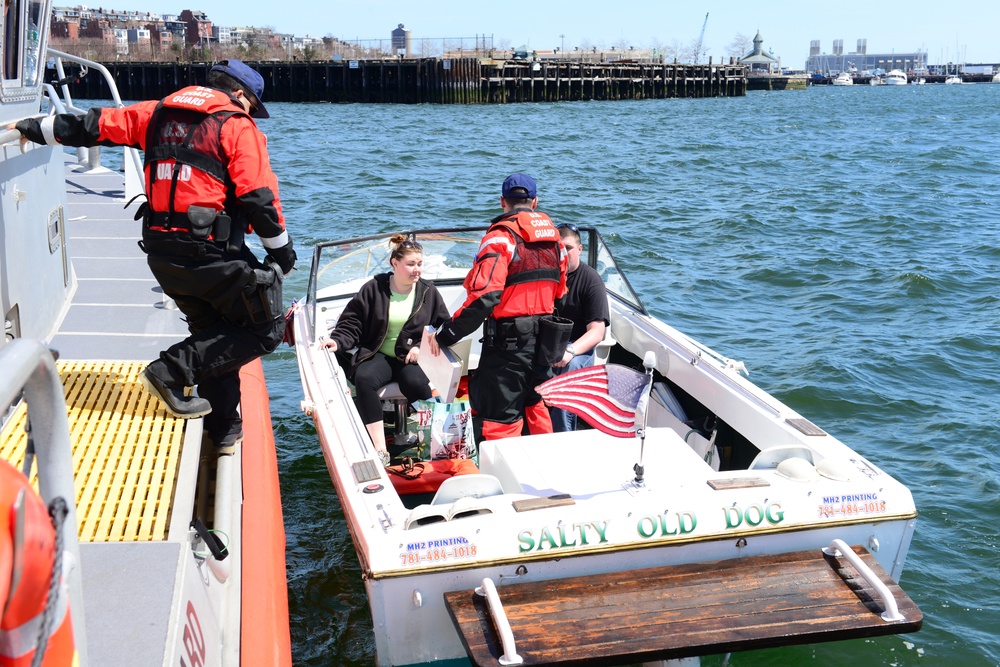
x=437, y=550
x=587, y=533
x=563, y=536
x=851, y=504
x=753, y=515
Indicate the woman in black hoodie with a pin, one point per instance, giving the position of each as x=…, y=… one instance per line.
x=385, y=321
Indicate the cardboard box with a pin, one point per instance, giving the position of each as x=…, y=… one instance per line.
x=444, y=371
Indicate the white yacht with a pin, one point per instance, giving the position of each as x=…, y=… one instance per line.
x=844, y=79
x=896, y=77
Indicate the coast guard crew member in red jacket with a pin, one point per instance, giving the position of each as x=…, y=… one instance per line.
x=519, y=272
x=208, y=182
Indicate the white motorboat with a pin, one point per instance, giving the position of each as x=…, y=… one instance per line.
x=996, y=78
x=843, y=79
x=896, y=77
x=581, y=546
x=141, y=487
x=953, y=79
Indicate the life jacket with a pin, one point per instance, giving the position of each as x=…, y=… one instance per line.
x=183, y=144
x=27, y=554
x=536, y=252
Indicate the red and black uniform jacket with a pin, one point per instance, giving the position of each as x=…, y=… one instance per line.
x=202, y=149
x=520, y=270
x=365, y=319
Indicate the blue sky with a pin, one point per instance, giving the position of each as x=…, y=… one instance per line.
x=963, y=33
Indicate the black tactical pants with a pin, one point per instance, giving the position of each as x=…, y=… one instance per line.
x=502, y=391
x=233, y=308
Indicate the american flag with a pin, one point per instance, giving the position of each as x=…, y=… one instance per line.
x=605, y=396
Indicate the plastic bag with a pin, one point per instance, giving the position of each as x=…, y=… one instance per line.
x=450, y=426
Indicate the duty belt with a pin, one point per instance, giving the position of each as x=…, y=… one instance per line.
x=169, y=221
x=199, y=221
x=512, y=333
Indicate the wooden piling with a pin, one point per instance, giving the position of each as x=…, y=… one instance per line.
x=438, y=81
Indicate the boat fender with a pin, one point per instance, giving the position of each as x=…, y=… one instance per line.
x=34, y=594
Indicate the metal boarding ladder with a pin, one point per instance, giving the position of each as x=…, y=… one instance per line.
x=29, y=367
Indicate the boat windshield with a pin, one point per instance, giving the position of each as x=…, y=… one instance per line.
x=339, y=268
x=601, y=259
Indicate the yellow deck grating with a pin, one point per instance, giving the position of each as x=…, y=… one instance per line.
x=126, y=451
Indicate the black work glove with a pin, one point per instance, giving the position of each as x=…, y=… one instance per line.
x=284, y=256
x=30, y=129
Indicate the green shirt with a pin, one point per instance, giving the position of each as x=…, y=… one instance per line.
x=400, y=307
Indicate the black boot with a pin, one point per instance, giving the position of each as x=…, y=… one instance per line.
x=177, y=404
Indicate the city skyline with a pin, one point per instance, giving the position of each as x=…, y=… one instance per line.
x=787, y=28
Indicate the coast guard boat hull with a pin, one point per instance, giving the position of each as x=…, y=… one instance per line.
x=730, y=474
x=143, y=587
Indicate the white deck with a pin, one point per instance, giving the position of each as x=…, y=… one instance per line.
x=118, y=311
x=131, y=589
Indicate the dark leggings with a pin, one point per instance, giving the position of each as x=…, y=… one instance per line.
x=379, y=371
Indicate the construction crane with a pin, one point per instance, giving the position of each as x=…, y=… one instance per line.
x=701, y=38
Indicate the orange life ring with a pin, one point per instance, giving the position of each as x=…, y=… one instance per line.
x=25, y=575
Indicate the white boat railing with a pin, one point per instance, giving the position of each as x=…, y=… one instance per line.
x=838, y=549
x=62, y=102
x=489, y=590
x=29, y=366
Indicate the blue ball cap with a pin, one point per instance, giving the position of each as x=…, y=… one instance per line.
x=519, y=186
x=251, y=80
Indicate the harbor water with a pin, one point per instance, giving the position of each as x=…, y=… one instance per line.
x=843, y=242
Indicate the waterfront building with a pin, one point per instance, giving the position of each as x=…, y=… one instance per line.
x=199, y=28
x=831, y=64
x=758, y=62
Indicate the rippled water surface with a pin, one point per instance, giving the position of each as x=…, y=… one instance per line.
x=844, y=243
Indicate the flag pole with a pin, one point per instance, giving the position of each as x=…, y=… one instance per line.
x=649, y=363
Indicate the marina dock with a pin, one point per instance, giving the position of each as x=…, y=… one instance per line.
x=439, y=81
x=928, y=78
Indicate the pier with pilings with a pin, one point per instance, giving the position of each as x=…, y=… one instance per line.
x=437, y=80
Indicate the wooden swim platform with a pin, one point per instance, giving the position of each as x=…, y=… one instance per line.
x=682, y=610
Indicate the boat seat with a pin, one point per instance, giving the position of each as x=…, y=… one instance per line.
x=401, y=407
x=462, y=508
x=467, y=486
x=603, y=349
x=772, y=456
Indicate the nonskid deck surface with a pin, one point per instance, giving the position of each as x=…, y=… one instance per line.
x=126, y=448
x=126, y=451
x=118, y=311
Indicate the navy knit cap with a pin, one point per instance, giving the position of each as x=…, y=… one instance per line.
x=519, y=186
x=250, y=79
